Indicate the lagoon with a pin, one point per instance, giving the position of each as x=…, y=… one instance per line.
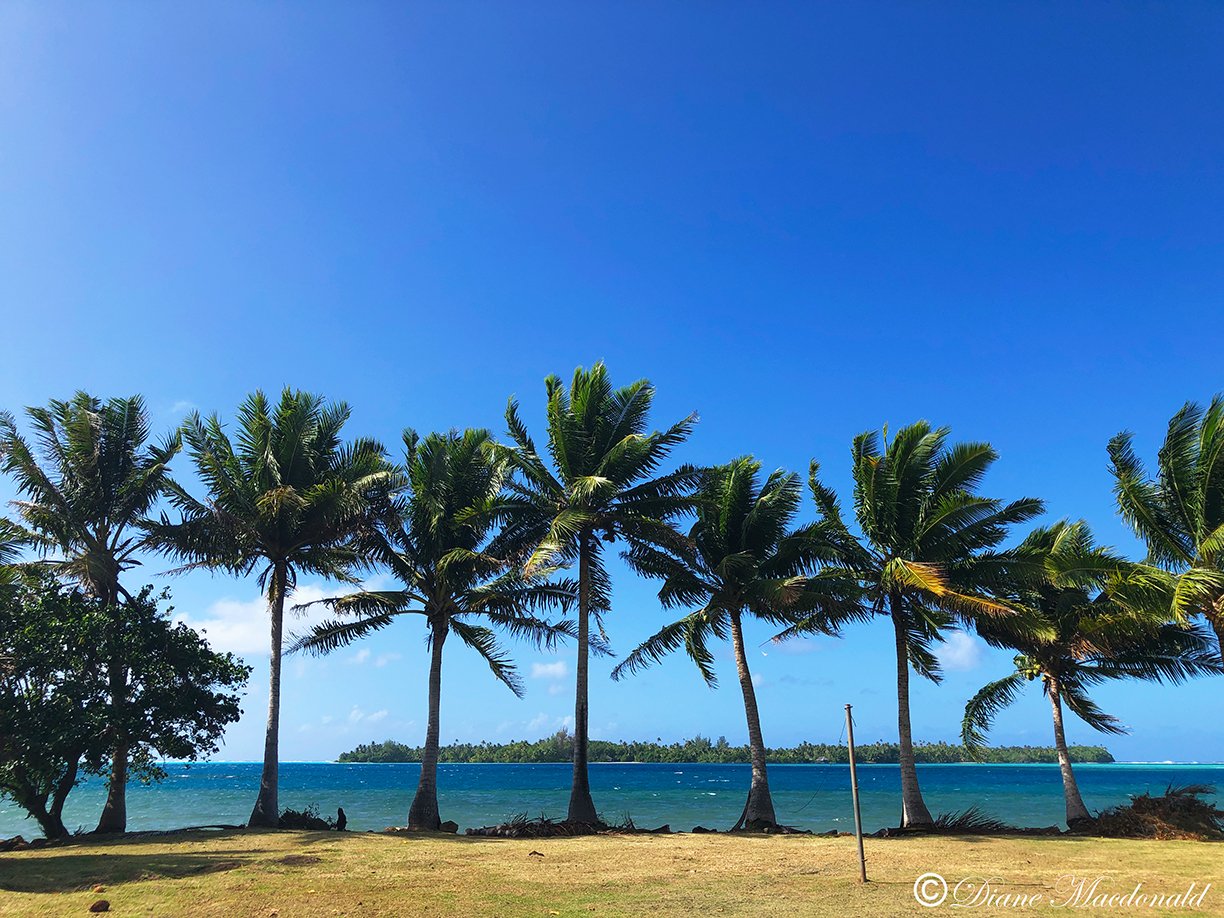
x=815, y=797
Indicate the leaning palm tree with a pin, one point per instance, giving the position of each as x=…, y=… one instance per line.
x=86, y=490
x=287, y=498
x=1180, y=513
x=925, y=559
x=605, y=486
x=1089, y=630
x=442, y=546
x=741, y=558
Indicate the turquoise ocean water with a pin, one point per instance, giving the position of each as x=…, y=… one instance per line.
x=807, y=796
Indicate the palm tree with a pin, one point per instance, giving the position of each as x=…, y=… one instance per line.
x=442, y=547
x=287, y=498
x=1180, y=513
x=924, y=560
x=12, y=538
x=86, y=490
x=604, y=486
x=1087, y=631
x=741, y=558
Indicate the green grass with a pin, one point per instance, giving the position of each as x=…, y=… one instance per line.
x=282, y=874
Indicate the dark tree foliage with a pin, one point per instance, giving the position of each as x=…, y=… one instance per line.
x=55, y=691
x=53, y=695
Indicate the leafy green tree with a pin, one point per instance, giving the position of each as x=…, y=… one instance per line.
x=1180, y=512
x=53, y=695
x=288, y=497
x=1089, y=629
x=741, y=558
x=604, y=485
x=925, y=559
x=443, y=549
x=55, y=690
x=85, y=492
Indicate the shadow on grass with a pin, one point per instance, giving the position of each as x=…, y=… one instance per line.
x=63, y=872
x=86, y=860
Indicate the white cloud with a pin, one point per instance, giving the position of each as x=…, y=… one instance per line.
x=376, y=716
x=538, y=722
x=181, y=407
x=242, y=626
x=542, y=722
x=360, y=656
x=557, y=670
x=558, y=688
x=385, y=658
x=961, y=651
x=356, y=715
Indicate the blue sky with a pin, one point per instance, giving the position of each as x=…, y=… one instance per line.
x=802, y=221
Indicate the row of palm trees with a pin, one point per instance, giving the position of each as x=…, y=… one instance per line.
x=485, y=537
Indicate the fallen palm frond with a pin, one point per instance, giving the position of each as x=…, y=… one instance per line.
x=308, y=818
x=1181, y=812
x=971, y=822
x=521, y=827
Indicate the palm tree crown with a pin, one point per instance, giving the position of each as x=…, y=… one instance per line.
x=89, y=485
x=287, y=492
x=1180, y=512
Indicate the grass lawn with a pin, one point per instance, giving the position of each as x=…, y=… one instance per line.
x=282, y=874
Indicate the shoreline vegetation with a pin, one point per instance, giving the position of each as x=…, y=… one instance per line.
x=700, y=751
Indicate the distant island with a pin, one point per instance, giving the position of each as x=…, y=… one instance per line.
x=699, y=749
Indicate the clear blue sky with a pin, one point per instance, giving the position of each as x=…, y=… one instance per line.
x=802, y=221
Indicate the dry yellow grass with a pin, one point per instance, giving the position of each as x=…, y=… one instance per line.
x=284, y=874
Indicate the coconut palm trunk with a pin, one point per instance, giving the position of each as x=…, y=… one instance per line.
x=758, y=810
x=914, y=812
x=424, y=811
x=267, y=806
x=581, y=806
x=1216, y=620
x=1077, y=812
x=114, y=811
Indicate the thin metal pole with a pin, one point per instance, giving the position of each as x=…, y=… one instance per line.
x=858, y=818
